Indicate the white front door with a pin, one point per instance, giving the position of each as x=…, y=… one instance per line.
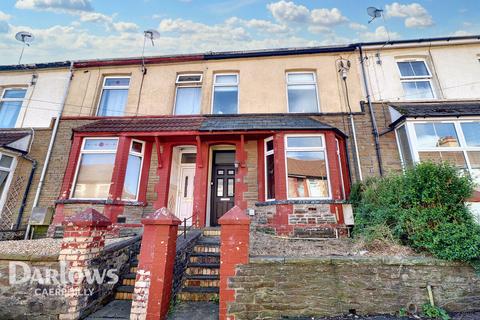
x=185, y=193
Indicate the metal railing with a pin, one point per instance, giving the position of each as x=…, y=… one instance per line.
x=186, y=228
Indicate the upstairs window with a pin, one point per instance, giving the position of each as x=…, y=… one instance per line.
x=95, y=168
x=225, y=94
x=10, y=105
x=114, y=96
x=188, y=94
x=302, y=92
x=416, y=80
x=307, y=174
x=134, y=170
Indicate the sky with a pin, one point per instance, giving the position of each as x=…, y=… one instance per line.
x=94, y=29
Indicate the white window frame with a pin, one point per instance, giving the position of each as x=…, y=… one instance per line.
x=323, y=148
x=187, y=84
x=79, y=161
x=104, y=87
x=215, y=84
x=412, y=137
x=265, y=154
x=141, y=155
x=428, y=78
x=302, y=83
x=11, y=170
x=3, y=99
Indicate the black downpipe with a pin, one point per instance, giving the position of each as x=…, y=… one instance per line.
x=372, y=114
x=27, y=190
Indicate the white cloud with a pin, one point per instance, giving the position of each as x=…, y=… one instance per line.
x=319, y=29
x=55, y=5
x=4, y=16
x=288, y=11
x=380, y=34
x=259, y=25
x=327, y=17
x=415, y=15
x=461, y=33
x=357, y=26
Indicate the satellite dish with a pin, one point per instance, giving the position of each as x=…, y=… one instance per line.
x=26, y=38
x=374, y=13
x=151, y=34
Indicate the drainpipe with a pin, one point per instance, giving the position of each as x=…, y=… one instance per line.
x=372, y=114
x=50, y=146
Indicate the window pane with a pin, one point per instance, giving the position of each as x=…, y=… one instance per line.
x=415, y=90
x=189, y=78
x=413, y=69
x=3, y=181
x=225, y=100
x=471, y=131
x=117, y=81
x=9, y=111
x=6, y=161
x=15, y=93
x=404, y=146
x=230, y=187
x=300, y=78
x=405, y=69
x=455, y=158
x=101, y=144
x=270, y=171
x=227, y=79
x=302, y=98
x=430, y=135
x=113, y=102
x=132, y=177
x=219, y=187
x=94, y=176
x=225, y=157
x=137, y=147
x=307, y=174
x=188, y=100
x=304, y=142
x=269, y=145
x=474, y=157
x=189, y=157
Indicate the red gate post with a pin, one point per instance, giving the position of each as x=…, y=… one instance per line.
x=153, y=285
x=234, y=250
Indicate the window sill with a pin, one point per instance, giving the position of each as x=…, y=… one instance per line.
x=304, y=201
x=104, y=202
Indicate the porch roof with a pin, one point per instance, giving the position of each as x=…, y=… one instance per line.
x=436, y=109
x=206, y=123
x=15, y=140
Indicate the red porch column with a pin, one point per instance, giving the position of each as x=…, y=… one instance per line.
x=200, y=184
x=240, y=185
x=234, y=250
x=153, y=285
x=118, y=179
x=280, y=168
x=333, y=166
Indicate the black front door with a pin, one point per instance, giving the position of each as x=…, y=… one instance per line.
x=223, y=184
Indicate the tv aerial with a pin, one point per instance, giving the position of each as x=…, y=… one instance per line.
x=150, y=34
x=26, y=38
x=374, y=13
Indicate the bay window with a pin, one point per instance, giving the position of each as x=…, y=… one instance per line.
x=95, y=168
x=134, y=170
x=114, y=96
x=302, y=92
x=7, y=165
x=416, y=80
x=307, y=167
x=269, y=170
x=10, y=104
x=188, y=94
x=225, y=94
x=456, y=142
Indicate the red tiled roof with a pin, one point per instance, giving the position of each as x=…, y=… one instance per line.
x=143, y=124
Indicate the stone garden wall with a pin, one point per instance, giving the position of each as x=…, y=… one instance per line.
x=310, y=287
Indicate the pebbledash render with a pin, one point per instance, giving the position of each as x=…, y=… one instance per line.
x=281, y=133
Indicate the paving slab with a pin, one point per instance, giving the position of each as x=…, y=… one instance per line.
x=117, y=309
x=195, y=310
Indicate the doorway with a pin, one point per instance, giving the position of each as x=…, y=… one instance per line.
x=222, y=184
x=185, y=176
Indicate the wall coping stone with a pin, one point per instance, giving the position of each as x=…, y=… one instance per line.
x=161, y=216
x=277, y=202
x=235, y=216
x=32, y=258
x=336, y=260
x=88, y=218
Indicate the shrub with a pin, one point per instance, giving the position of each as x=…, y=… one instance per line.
x=423, y=208
x=434, y=312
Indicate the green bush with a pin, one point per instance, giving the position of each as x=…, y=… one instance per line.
x=423, y=208
x=434, y=312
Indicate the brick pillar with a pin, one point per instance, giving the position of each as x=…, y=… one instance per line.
x=84, y=240
x=153, y=285
x=234, y=250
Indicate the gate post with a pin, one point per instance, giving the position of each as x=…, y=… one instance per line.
x=234, y=250
x=153, y=284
